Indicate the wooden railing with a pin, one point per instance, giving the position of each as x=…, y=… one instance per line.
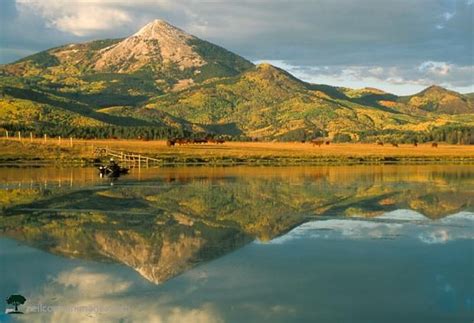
x=128, y=158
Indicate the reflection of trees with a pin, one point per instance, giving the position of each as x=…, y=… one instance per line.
x=164, y=226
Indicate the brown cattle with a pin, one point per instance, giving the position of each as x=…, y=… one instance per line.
x=379, y=143
x=394, y=144
x=181, y=141
x=170, y=142
x=317, y=142
x=434, y=145
x=327, y=142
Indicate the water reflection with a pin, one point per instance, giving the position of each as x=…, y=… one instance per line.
x=392, y=225
x=162, y=222
x=309, y=274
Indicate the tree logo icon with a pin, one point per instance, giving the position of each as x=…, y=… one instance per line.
x=15, y=300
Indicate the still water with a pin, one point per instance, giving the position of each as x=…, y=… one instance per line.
x=240, y=244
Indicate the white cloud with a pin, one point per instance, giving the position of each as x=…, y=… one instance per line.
x=107, y=297
x=401, y=79
x=80, y=18
x=92, y=283
x=391, y=225
x=448, y=15
x=439, y=68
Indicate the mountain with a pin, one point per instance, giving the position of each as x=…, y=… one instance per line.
x=162, y=82
x=159, y=57
x=441, y=100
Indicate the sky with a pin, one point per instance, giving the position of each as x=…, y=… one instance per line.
x=400, y=46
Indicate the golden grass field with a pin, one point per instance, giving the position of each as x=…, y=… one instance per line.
x=237, y=152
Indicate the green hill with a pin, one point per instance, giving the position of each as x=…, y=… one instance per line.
x=268, y=103
x=163, y=82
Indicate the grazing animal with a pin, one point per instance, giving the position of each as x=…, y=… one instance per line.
x=434, y=145
x=317, y=142
x=328, y=142
x=181, y=141
x=170, y=142
x=379, y=143
x=394, y=144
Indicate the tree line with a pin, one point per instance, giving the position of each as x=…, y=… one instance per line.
x=452, y=134
x=108, y=132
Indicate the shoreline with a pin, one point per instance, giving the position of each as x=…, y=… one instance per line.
x=408, y=162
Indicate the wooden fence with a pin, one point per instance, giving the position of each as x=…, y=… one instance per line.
x=128, y=158
x=31, y=137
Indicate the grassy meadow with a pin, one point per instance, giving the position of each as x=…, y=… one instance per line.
x=230, y=153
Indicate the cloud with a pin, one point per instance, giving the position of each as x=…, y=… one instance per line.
x=79, y=18
x=400, y=79
x=88, y=295
x=437, y=68
x=391, y=225
x=448, y=15
x=92, y=283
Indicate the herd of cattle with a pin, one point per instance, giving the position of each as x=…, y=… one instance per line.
x=315, y=142
x=186, y=141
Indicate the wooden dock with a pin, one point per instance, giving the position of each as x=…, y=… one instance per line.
x=127, y=157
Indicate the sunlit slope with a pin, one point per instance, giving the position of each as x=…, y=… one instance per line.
x=269, y=103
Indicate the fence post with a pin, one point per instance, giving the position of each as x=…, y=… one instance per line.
x=31, y=137
x=59, y=139
x=139, y=161
x=6, y=131
x=19, y=135
x=70, y=141
x=45, y=138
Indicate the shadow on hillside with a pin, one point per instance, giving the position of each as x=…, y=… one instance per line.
x=81, y=109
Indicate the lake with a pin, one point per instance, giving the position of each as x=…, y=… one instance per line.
x=373, y=243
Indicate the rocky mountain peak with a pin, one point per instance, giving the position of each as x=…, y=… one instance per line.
x=158, y=28
x=157, y=43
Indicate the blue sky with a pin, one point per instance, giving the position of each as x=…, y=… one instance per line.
x=400, y=46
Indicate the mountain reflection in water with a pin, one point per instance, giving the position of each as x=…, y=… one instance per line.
x=162, y=222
